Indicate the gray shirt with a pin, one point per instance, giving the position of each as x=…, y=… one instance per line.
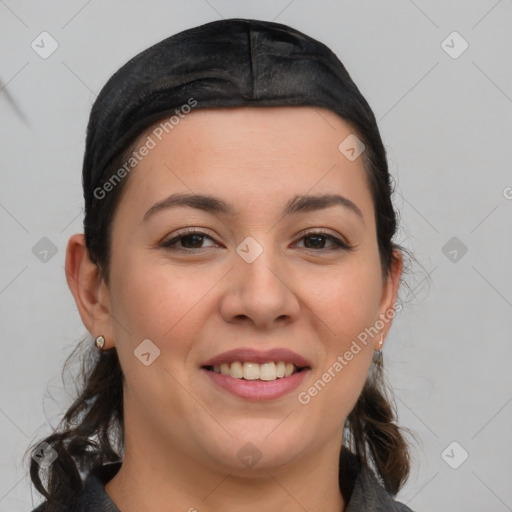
x=367, y=495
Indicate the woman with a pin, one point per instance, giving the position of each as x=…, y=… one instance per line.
x=238, y=275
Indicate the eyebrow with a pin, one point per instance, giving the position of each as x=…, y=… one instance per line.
x=211, y=204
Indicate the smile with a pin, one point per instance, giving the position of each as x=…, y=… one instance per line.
x=249, y=380
x=254, y=371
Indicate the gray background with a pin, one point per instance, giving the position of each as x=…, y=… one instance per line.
x=447, y=126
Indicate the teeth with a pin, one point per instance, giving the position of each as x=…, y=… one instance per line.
x=236, y=370
x=251, y=371
x=268, y=371
x=254, y=371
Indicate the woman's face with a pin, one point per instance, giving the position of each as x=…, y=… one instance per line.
x=258, y=278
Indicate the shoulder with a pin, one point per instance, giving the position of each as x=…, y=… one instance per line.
x=46, y=507
x=94, y=498
x=40, y=508
x=401, y=507
x=368, y=494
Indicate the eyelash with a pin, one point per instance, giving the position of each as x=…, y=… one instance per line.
x=339, y=243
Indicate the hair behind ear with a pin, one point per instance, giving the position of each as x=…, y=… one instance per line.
x=96, y=413
x=374, y=435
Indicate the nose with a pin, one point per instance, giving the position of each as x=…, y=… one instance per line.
x=260, y=291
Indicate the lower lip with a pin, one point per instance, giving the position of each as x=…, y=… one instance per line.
x=257, y=389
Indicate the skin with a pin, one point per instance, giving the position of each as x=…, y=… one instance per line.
x=182, y=432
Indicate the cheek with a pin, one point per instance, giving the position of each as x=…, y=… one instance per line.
x=151, y=302
x=155, y=301
x=348, y=307
x=348, y=299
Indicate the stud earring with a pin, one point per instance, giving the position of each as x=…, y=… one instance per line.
x=381, y=342
x=100, y=342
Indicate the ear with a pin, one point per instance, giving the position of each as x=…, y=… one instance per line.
x=389, y=295
x=89, y=290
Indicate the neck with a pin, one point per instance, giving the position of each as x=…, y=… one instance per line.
x=153, y=483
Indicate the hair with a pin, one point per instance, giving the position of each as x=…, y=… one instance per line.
x=91, y=432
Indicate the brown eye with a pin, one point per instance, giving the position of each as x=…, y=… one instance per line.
x=189, y=241
x=317, y=241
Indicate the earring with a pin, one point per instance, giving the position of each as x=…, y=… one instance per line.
x=100, y=342
x=377, y=354
x=380, y=342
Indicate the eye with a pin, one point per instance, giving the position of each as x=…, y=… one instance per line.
x=317, y=241
x=192, y=239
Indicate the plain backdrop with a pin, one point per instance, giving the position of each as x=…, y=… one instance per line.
x=438, y=76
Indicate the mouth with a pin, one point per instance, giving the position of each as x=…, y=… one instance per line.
x=247, y=370
x=256, y=381
x=257, y=375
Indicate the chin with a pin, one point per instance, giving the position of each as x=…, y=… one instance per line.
x=255, y=450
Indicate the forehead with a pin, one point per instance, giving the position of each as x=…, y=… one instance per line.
x=254, y=155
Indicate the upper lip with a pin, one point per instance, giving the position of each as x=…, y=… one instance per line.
x=258, y=356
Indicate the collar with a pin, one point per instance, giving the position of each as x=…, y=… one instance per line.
x=368, y=495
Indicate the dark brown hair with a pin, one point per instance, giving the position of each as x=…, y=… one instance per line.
x=91, y=432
